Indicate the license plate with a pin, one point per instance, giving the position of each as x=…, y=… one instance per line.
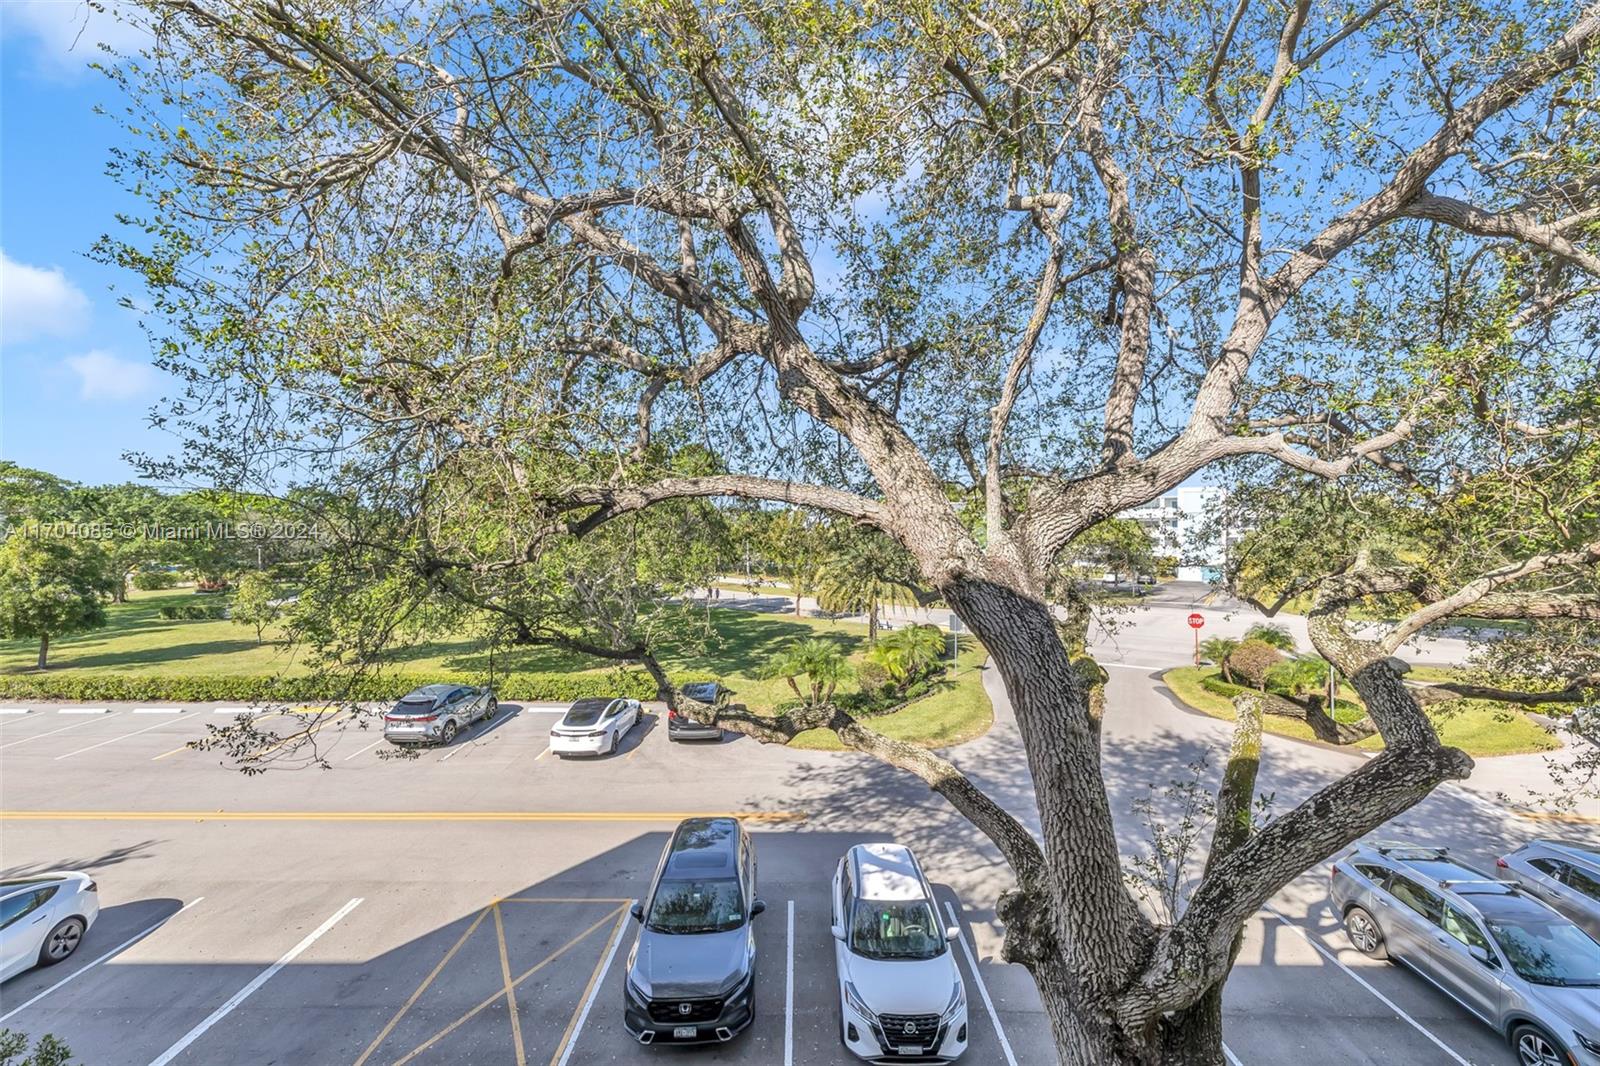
x=910, y=1049
x=684, y=1032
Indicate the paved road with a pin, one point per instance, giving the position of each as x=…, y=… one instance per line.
x=398, y=899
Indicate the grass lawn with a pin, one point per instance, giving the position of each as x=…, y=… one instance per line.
x=1474, y=726
x=733, y=645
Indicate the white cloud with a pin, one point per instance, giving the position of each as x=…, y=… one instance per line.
x=68, y=33
x=37, y=302
x=103, y=376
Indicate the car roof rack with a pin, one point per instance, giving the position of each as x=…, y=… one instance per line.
x=1454, y=884
x=1394, y=848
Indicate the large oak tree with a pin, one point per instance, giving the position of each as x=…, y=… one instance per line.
x=978, y=275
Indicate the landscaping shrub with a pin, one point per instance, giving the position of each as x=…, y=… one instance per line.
x=150, y=580
x=555, y=688
x=1251, y=660
x=1212, y=683
x=873, y=677
x=1270, y=633
x=189, y=612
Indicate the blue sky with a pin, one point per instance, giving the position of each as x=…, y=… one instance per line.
x=76, y=384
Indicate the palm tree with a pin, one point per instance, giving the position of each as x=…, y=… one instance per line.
x=820, y=662
x=908, y=653
x=1217, y=649
x=1299, y=675
x=864, y=574
x=1275, y=635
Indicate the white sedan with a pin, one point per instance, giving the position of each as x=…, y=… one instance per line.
x=594, y=726
x=43, y=919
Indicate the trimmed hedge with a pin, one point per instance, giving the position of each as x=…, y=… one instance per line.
x=555, y=688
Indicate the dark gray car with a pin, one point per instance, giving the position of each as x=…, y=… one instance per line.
x=682, y=727
x=1563, y=875
x=435, y=714
x=1499, y=952
x=691, y=973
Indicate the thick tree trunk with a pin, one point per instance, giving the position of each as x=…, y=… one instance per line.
x=44, y=648
x=872, y=622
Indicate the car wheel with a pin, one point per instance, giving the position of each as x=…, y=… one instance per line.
x=62, y=942
x=1535, y=1047
x=489, y=711
x=1365, y=936
x=449, y=734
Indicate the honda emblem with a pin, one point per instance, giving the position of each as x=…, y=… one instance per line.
x=685, y=1008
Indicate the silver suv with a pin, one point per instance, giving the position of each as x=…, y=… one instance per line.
x=1563, y=875
x=1496, y=950
x=434, y=714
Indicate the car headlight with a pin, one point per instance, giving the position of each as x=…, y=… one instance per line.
x=1588, y=1045
x=857, y=1004
x=958, y=999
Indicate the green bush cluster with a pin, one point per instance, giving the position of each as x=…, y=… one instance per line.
x=174, y=612
x=555, y=688
x=150, y=580
x=1251, y=660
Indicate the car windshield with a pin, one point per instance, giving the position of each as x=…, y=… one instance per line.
x=584, y=714
x=697, y=906
x=895, y=929
x=1549, y=952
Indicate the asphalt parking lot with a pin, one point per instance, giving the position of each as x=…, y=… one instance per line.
x=469, y=905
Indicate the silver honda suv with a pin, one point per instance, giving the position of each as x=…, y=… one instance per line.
x=1488, y=944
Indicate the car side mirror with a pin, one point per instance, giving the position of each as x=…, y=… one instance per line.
x=637, y=910
x=952, y=932
x=757, y=907
x=1484, y=956
x=838, y=932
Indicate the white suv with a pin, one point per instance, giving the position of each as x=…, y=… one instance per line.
x=900, y=993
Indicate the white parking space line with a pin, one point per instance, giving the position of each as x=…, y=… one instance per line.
x=1387, y=1002
x=248, y=990
x=46, y=733
x=368, y=748
x=158, y=710
x=1232, y=1059
x=235, y=711
x=788, y=990
x=113, y=740
x=15, y=710
x=84, y=710
x=983, y=989
x=594, y=989
x=74, y=975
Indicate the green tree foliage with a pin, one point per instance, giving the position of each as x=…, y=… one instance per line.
x=1119, y=546
x=51, y=587
x=863, y=572
x=1277, y=636
x=907, y=653
x=819, y=663
x=48, y=1050
x=1217, y=649
x=255, y=601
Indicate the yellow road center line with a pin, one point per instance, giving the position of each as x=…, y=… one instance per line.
x=588, y=989
x=393, y=816
x=1558, y=816
x=547, y=960
x=511, y=994
x=423, y=987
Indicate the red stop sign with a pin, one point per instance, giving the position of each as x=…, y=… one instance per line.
x=1196, y=620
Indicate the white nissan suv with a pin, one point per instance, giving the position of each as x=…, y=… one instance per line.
x=900, y=993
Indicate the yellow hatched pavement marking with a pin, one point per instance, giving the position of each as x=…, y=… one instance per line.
x=541, y=964
x=423, y=987
x=588, y=989
x=511, y=994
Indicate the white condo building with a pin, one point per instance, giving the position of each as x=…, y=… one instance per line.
x=1187, y=523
